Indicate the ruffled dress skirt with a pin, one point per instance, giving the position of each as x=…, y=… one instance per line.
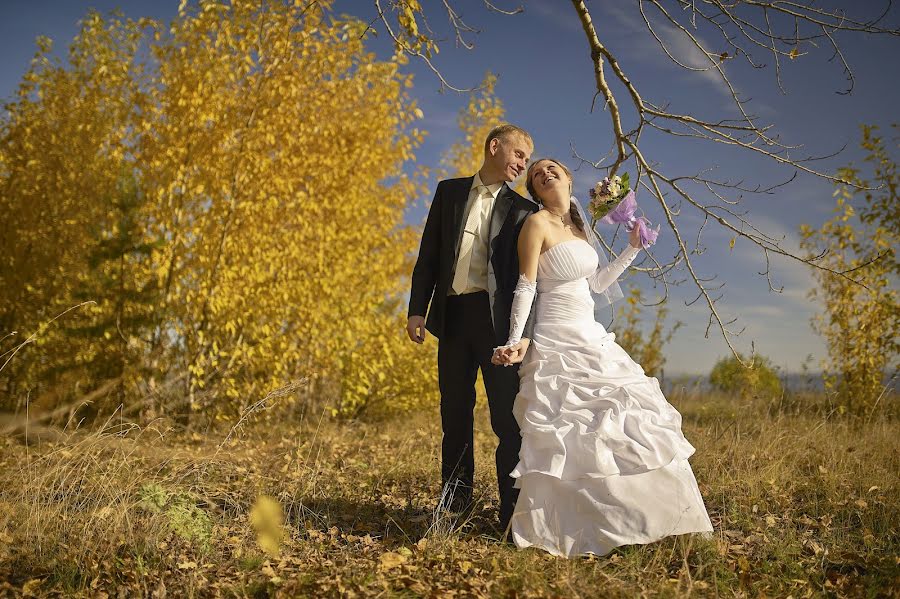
x=603, y=461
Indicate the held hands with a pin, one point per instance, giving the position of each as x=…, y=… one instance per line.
x=507, y=356
x=415, y=328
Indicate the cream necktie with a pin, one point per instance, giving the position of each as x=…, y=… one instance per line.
x=473, y=223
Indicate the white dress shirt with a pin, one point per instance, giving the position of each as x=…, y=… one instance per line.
x=479, y=228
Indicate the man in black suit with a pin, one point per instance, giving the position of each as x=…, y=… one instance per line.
x=464, y=279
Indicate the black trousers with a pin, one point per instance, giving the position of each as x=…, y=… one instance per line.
x=466, y=345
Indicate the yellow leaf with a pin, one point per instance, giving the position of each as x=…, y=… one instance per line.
x=31, y=587
x=390, y=560
x=267, y=519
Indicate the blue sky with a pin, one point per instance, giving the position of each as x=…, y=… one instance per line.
x=546, y=83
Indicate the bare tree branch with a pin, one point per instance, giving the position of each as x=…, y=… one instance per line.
x=780, y=29
x=409, y=42
x=406, y=47
x=493, y=8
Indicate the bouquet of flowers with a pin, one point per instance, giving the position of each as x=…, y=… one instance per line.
x=612, y=202
x=607, y=194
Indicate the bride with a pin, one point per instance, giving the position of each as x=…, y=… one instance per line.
x=603, y=461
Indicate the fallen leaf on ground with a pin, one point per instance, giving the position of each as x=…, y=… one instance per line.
x=390, y=560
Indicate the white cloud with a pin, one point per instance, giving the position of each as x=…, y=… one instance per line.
x=567, y=19
x=777, y=324
x=772, y=328
x=764, y=311
x=439, y=121
x=585, y=178
x=679, y=45
x=796, y=278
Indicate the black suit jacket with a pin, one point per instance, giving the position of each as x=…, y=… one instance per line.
x=439, y=250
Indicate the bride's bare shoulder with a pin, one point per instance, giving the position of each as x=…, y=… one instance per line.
x=537, y=219
x=535, y=228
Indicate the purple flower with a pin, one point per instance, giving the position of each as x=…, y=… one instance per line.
x=624, y=214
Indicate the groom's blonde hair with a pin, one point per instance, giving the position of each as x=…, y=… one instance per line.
x=502, y=131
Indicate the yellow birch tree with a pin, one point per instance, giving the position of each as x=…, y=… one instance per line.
x=645, y=349
x=268, y=147
x=860, y=323
x=483, y=112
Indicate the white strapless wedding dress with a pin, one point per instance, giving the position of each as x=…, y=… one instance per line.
x=603, y=460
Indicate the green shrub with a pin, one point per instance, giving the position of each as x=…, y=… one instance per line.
x=183, y=516
x=760, y=378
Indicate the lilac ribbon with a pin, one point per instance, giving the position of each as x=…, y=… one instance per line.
x=624, y=214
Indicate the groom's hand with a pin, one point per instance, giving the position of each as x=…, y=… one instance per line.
x=499, y=357
x=415, y=328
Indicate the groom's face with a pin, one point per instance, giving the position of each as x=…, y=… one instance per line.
x=510, y=155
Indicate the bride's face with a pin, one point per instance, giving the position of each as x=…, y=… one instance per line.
x=546, y=176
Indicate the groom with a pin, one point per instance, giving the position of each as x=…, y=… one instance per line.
x=464, y=278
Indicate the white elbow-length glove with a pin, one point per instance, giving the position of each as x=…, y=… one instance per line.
x=523, y=298
x=606, y=276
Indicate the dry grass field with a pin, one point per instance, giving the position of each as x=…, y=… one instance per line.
x=804, y=502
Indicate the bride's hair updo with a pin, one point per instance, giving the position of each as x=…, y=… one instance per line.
x=573, y=211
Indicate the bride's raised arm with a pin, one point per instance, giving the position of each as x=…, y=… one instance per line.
x=604, y=276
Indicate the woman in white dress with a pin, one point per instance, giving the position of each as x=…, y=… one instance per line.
x=603, y=461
